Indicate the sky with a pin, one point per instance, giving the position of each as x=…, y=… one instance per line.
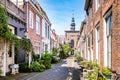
x=60, y=13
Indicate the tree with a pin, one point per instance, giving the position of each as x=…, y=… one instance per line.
x=65, y=49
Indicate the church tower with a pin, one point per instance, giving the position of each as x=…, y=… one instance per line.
x=72, y=24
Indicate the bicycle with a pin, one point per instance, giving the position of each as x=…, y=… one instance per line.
x=117, y=76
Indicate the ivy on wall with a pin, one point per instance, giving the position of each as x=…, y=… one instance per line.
x=4, y=29
x=26, y=45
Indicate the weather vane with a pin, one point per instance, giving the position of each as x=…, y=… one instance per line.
x=73, y=13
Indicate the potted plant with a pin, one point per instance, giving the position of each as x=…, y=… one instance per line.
x=106, y=72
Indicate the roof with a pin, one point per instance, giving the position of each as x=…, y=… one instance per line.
x=87, y=4
x=82, y=24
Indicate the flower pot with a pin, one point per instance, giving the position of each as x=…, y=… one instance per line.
x=108, y=76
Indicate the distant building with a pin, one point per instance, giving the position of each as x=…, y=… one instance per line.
x=62, y=37
x=55, y=40
x=72, y=35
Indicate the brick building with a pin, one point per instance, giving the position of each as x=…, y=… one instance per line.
x=56, y=41
x=102, y=30
x=72, y=35
x=34, y=24
x=82, y=44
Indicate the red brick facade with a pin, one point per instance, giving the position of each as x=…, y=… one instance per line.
x=35, y=38
x=95, y=17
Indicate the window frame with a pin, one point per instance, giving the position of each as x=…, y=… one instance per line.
x=37, y=25
x=31, y=18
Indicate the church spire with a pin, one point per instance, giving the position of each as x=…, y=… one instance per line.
x=73, y=24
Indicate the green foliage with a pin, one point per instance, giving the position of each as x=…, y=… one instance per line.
x=54, y=58
x=35, y=57
x=84, y=63
x=77, y=56
x=36, y=67
x=1, y=72
x=4, y=30
x=47, y=59
x=65, y=49
x=55, y=50
x=106, y=71
x=26, y=45
x=91, y=75
x=96, y=73
x=24, y=67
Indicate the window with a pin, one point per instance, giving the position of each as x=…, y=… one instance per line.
x=97, y=4
x=88, y=14
x=37, y=48
x=45, y=29
x=37, y=25
x=92, y=37
x=46, y=47
x=98, y=43
x=48, y=32
x=109, y=38
x=88, y=42
x=31, y=19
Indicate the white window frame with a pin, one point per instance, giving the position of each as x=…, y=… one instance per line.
x=98, y=43
x=37, y=47
x=31, y=17
x=37, y=24
x=107, y=39
x=97, y=4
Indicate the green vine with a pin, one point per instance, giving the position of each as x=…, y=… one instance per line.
x=26, y=45
x=4, y=29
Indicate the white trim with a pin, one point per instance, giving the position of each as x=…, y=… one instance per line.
x=105, y=43
x=35, y=7
x=31, y=19
x=37, y=25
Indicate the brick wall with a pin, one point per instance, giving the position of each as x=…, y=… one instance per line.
x=96, y=17
x=32, y=32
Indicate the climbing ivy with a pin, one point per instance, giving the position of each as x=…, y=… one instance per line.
x=26, y=45
x=4, y=29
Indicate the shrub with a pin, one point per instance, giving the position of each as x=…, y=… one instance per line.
x=77, y=56
x=35, y=56
x=83, y=63
x=36, y=67
x=106, y=71
x=46, y=60
x=24, y=67
x=54, y=58
x=55, y=50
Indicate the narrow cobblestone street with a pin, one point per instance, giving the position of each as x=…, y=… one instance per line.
x=65, y=70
